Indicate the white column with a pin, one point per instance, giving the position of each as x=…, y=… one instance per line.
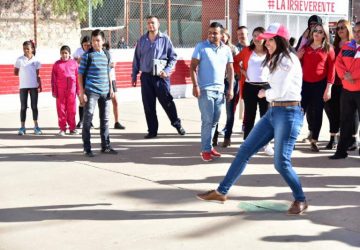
x=242, y=13
x=90, y=13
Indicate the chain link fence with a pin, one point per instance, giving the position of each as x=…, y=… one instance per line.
x=125, y=21
x=55, y=22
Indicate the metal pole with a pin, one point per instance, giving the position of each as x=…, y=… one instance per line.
x=90, y=13
x=169, y=17
x=150, y=8
x=127, y=21
x=141, y=18
x=35, y=22
x=227, y=16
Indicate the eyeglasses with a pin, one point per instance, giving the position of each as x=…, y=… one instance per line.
x=340, y=28
x=318, y=31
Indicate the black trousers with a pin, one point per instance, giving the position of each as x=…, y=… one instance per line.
x=332, y=110
x=312, y=103
x=349, y=105
x=24, y=93
x=153, y=87
x=251, y=101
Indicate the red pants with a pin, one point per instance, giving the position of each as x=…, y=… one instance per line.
x=66, y=109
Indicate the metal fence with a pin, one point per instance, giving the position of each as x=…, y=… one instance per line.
x=181, y=19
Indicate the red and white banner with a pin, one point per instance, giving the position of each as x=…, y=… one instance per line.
x=330, y=7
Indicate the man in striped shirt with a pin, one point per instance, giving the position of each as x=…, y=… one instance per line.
x=95, y=88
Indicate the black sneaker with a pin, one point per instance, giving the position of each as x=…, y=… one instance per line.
x=314, y=147
x=117, y=125
x=331, y=145
x=353, y=146
x=181, y=130
x=149, y=136
x=79, y=125
x=109, y=150
x=214, y=141
x=89, y=153
x=337, y=156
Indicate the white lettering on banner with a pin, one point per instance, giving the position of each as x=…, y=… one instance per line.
x=303, y=6
x=334, y=7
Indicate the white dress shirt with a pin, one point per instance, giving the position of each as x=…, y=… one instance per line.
x=286, y=81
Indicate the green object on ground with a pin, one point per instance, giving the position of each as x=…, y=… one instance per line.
x=262, y=206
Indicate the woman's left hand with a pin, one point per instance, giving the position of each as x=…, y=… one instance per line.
x=327, y=93
x=261, y=93
x=230, y=95
x=39, y=84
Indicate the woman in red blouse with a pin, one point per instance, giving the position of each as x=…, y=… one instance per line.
x=317, y=58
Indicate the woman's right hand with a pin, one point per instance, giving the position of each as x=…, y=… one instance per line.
x=243, y=72
x=261, y=93
x=300, y=53
x=83, y=99
x=196, y=91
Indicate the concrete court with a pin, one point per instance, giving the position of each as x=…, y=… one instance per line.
x=51, y=197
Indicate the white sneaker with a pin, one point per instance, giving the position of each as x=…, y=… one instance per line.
x=269, y=150
x=61, y=133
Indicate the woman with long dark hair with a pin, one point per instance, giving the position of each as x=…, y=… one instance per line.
x=282, y=122
x=318, y=62
x=253, y=78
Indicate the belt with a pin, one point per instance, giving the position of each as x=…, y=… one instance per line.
x=285, y=104
x=258, y=83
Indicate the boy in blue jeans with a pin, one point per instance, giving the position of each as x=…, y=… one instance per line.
x=94, y=85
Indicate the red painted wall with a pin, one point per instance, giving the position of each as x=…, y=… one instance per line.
x=9, y=83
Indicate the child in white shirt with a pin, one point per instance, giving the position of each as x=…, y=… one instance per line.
x=27, y=67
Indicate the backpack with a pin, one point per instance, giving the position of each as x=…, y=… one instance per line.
x=89, y=61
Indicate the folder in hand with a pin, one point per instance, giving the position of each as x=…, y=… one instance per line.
x=158, y=66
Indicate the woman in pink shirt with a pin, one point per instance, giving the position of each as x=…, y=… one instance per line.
x=318, y=63
x=64, y=85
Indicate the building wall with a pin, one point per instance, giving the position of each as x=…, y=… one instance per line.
x=17, y=19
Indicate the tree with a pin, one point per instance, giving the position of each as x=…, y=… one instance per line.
x=66, y=7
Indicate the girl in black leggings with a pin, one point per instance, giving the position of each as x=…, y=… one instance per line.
x=27, y=67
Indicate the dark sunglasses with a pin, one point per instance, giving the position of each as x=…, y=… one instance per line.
x=318, y=31
x=340, y=28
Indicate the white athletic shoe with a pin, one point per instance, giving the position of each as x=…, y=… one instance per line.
x=269, y=150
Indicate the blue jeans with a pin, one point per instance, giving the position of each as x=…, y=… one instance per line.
x=104, y=110
x=284, y=125
x=210, y=104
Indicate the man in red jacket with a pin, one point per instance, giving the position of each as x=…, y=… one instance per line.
x=348, y=69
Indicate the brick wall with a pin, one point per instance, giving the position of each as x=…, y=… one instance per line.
x=213, y=9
